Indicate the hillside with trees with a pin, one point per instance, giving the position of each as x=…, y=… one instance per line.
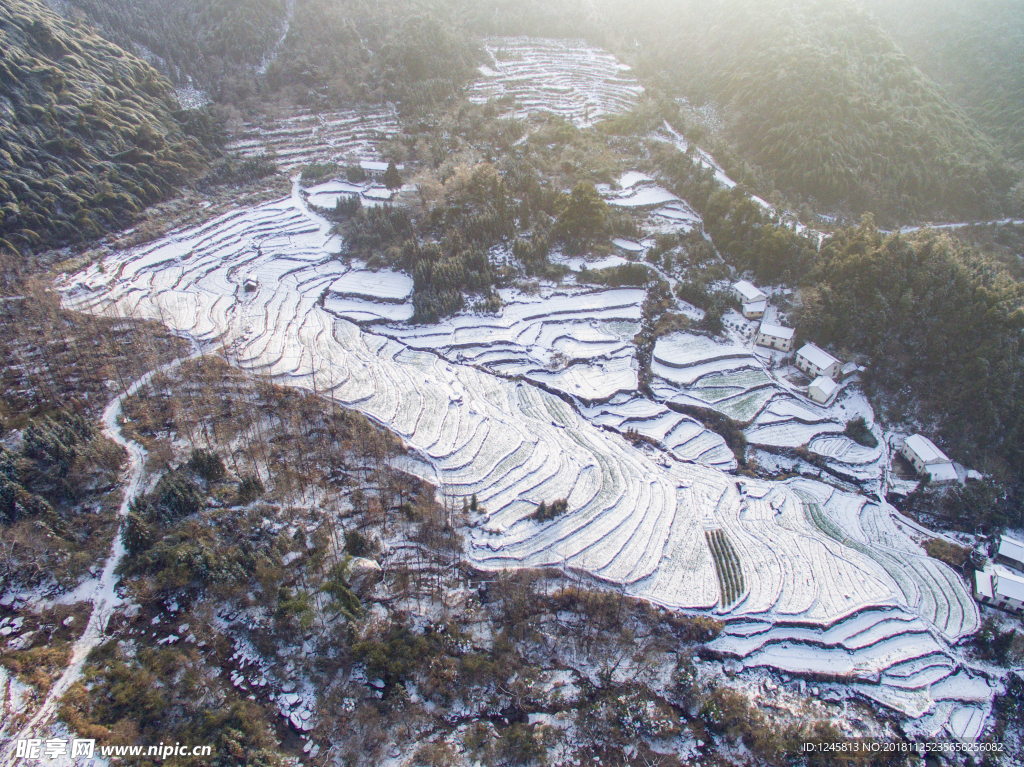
x=90, y=135
x=971, y=49
x=827, y=107
x=814, y=98
x=941, y=327
x=200, y=42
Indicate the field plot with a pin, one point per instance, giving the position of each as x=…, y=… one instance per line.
x=639, y=192
x=250, y=283
x=327, y=195
x=566, y=78
x=577, y=341
x=301, y=138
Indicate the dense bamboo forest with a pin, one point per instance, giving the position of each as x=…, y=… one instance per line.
x=90, y=134
x=972, y=50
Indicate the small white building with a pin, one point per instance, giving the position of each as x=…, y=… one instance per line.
x=748, y=293
x=927, y=459
x=1010, y=552
x=775, y=337
x=1000, y=587
x=822, y=390
x=375, y=169
x=817, y=362
x=755, y=310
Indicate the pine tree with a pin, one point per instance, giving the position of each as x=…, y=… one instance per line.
x=392, y=178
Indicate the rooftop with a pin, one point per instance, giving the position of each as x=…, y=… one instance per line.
x=776, y=331
x=755, y=306
x=983, y=583
x=925, y=449
x=1011, y=548
x=749, y=291
x=1008, y=584
x=943, y=472
x=820, y=358
x=825, y=384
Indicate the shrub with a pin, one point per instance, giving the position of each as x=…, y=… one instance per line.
x=545, y=513
x=249, y=489
x=524, y=743
x=357, y=544
x=857, y=429
x=207, y=465
x=947, y=552
x=318, y=171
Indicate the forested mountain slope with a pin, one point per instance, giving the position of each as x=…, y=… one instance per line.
x=814, y=94
x=941, y=325
x=974, y=50
x=411, y=51
x=820, y=97
x=202, y=41
x=88, y=135
x=414, y=52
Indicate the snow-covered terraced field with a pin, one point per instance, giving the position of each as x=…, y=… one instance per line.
x=326, y=195
x=566, y=78
x=684, y=437
x=302, y=138
x=697, y=371
x=640, y=193
x=578, y=341
x=251, y=281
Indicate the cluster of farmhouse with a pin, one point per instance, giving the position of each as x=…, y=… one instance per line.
x=825, y=371
x=1000, y=582
x=822, y=367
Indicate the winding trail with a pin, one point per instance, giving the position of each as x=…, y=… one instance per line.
x=104, y=596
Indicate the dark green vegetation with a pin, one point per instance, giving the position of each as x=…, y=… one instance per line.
x=89, y=135
x=820, y=99
x=744, y=233
x=815, y=99
x=54, y=499
x=212, y=44
x=126, y=700
x=336, y=51
x=971, y=49
x=941, y=326
x=858, y=430
x=727, y=566
x=446, y=247
x=547, y=512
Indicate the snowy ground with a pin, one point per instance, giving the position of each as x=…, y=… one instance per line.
x=19, y=716
x=532, y=404
x=301, y=138
x=577, y=341
x=807, y=553
x=566, y=78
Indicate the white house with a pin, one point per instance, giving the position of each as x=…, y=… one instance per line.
x=1010, y=552
x=1000, y=587
x=748, y=293
x=775, y=337
x=375, y=169
x=928, y=459
x=755, y=309
x=822, y=389
x=817, y=362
